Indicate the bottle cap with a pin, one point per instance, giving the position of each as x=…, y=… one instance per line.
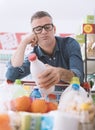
x=75, y=86
x=32, y=57
x=18, y=81
x=75, y=80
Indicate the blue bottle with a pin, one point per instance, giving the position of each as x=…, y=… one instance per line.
x=35, y=93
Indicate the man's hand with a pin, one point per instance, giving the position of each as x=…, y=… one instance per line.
x=53, y=75
x=49, y=77
x=31, y=39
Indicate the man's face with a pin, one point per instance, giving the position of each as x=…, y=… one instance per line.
x=45, y=30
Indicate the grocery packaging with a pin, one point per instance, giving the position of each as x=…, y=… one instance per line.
x=37, y=67
x=76, y=103
x=35, y=93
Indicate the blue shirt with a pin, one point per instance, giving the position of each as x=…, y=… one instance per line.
x=67, y=54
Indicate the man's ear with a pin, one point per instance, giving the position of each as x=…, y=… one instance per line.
x=54, y=29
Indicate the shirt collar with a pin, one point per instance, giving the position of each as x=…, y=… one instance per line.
x=41, y=53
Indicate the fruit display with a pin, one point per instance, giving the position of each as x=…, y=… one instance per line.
x=26, y=104
x=35, y=112
x=19, y=108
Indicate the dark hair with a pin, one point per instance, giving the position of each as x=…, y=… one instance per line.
x=40, y=14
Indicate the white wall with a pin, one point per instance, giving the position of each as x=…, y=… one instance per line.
x=68, y=14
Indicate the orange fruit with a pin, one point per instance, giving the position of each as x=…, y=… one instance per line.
x=52, y=106
x=39, y=106
x=5, y=122
x=21, y=104
x=52, y=96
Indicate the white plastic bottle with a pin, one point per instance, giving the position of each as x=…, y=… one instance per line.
x=37, y=67
x=18, y=90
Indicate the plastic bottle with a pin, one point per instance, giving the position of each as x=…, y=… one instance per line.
x=37, y=67
x=70, y=95
x=18, y=90
x=35, y=93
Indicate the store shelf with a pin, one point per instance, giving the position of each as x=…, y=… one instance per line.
x=87, y=59
x=90, y=59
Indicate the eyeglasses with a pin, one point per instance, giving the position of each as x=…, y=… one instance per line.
x=47, y=27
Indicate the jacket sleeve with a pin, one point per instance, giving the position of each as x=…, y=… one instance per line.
x=75, y=58
x=14, y=73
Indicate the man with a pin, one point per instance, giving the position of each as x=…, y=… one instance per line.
x=62, y=55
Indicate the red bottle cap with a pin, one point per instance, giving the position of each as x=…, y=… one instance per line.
x=32, y=57
x=9, y=81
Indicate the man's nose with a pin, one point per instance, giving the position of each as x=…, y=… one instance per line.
x=44, y=30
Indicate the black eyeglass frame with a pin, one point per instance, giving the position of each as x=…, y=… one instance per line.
x=41, y=28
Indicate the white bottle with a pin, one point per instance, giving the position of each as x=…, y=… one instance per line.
x=18, y=90
x=37, y=67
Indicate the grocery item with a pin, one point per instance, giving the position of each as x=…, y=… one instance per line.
x=20, y=104
x=6, y=94
x=28, y=87
x=52, y=106
x=5, y=122
x=30, y=121
x=73, y=96
x=47, y=122
x=35, y=93
x=64, y=121
x=37, y=67
x=39, y=106
x=75, y=101
x=17, y=89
